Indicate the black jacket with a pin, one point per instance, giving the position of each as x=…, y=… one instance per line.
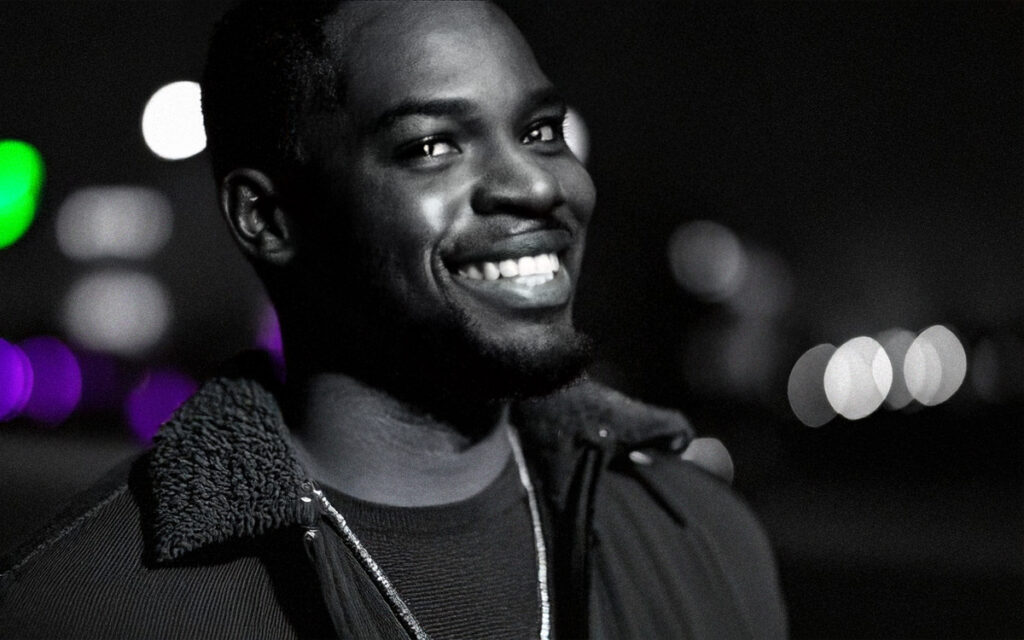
x=211, y=534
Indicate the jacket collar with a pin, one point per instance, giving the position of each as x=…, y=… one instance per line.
x=221, y=468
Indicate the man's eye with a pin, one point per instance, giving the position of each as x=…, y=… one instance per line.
x=543, y=132
x=429, y=149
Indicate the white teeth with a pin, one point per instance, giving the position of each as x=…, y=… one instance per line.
x=543, y=264
x=539, y=269
x=508, y=268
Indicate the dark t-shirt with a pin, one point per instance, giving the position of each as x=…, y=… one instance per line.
x=466, y=569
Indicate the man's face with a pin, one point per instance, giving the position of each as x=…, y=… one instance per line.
x=453, y=212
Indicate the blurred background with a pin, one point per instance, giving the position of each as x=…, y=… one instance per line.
x=808, y=239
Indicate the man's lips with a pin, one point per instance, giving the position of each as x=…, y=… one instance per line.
x=539, y=290
x=523, y=271
x=514, y=247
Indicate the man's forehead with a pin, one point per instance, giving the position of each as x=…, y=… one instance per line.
x=360, y=24
x=376, y=44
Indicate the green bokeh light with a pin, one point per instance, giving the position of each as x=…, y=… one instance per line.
x=21, y=178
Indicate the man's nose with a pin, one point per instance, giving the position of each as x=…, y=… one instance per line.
x=514, y=181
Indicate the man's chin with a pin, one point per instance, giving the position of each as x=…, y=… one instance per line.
x=446, y=374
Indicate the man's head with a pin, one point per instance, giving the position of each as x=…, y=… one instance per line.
x=420, y=166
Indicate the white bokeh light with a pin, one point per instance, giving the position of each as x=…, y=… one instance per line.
x=172, y=122
x=806, y=390
x=123, y=221
x=577, y=136
x=858, y=378
x=896, y=343
x=707, y=259
x=935, y=366
x=121, y=312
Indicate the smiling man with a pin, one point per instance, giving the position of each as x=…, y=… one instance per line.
x=435, y=465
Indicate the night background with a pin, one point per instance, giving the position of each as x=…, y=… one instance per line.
x=771, y=178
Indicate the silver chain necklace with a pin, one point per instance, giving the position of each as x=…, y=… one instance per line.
x=399, y=605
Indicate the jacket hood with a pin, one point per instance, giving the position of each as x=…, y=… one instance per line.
x=222, y=467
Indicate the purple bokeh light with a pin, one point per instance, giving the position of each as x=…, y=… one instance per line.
x=268, y=338
x=268, y=333
x=15, y=380
x=154, y=399
x=103, y=383
x=57, y=380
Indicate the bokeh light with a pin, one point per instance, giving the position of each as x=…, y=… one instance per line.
x=103, y=383
x=127, y=222
x=172, y=122
x=154, y=400
x=707, y=259
x=935, y=366
x=896, y=342
x=57, y=380
x=268, y=338
x=997, y=367
x=767, y=286
x=577, y=136
x=858, y=377
x=15, y=380
x=268, y=331
x=737, y=357
x=121, y=312
x=806, y=390
x=21, y=179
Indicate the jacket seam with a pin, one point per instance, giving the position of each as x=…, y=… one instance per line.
x=74, y=524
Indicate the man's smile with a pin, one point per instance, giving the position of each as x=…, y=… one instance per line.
x=521, y=271
x=531, y=282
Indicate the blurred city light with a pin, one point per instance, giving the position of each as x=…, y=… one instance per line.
x=57, y=380
x=896, y=342
x=129, y=222
x=707, y=260
x=857, y=378
x=102, y=381
x=268, y=331
x=268, y=338
x=120, y=312
x=997, y=367
x=155, y=399
x=15, y=380
x=767, y=286
x=935, y=366
x=806, y=389
x=172, y=122
x=733, y=356
x=577, y=136
x=21, y=179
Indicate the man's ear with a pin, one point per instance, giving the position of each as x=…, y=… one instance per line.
x=251, y=204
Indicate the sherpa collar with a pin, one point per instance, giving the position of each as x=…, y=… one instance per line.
x=222, y=469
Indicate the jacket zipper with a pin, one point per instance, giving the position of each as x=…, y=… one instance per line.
x=313, y=538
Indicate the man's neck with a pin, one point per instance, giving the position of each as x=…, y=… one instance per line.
x=372, y=446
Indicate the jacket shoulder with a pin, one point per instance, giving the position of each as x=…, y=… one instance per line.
x=89, y=576
x=683, y=538
x=75, y=513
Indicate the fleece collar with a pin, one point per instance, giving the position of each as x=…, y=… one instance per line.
x=221, y=468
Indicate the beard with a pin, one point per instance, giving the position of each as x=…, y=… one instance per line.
x=448, y=363
x=445, y=363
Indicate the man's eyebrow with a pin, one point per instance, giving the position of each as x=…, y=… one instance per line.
x=456, y=107
x=545, y=97
x=437, y=108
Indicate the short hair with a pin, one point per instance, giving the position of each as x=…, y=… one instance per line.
x=268, y=67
